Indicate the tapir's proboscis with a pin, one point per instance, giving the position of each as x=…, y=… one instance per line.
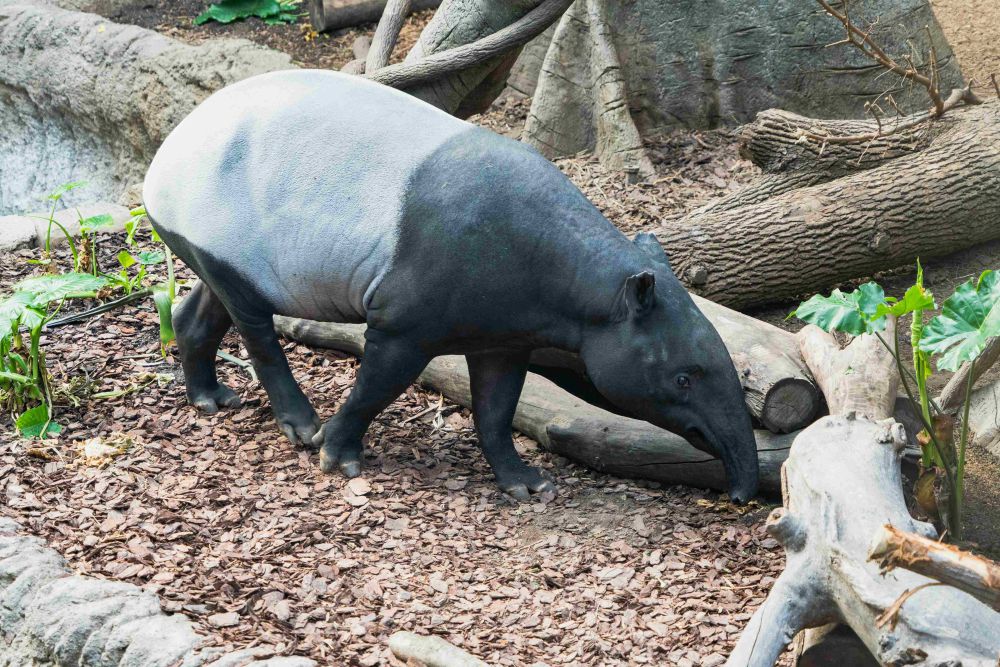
x=324, y=196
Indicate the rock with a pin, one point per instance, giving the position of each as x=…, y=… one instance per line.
x=87, y=99
x=226, y=620
x=16, y=232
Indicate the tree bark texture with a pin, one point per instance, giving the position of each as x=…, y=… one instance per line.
x=701, y=64
x=925, y=204
x=568, y=426
x=327, y=15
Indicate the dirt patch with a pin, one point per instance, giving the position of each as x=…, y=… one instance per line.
x=973, y=29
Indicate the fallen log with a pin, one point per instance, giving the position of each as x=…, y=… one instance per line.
x=569, y=426
x=948, y=564
x=841, y=484
x=327, y=15
x=770, y=244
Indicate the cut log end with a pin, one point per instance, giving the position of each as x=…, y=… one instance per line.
x=790, y=403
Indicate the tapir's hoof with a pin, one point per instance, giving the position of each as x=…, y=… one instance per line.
x=525, y=482
x=331, y=456
x=210, y=400
x=300, y=429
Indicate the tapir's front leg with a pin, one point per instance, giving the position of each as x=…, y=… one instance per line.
x=496, y=381
x=390, y=365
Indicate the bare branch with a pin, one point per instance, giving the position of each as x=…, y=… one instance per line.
x=386, y=34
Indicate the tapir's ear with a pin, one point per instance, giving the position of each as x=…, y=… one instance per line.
x=647, y=243
x=636, y=297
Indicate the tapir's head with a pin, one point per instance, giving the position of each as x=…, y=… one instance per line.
x=659, y=358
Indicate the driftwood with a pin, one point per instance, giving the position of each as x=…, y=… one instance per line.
x=841, y=484
x=430, y=651
x=977, y=576
x=326, y=15
x=954, y=392
x=569, y=426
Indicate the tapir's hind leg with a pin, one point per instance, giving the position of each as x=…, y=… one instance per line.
x=390, y=365
x=295, y=416
x=200, y=322
x=496, y=380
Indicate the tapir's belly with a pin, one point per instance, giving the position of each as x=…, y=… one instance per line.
x=295, y=182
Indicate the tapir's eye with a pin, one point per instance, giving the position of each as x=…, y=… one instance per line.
x=684, y=381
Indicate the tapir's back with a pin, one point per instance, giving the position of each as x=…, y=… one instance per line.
x=296, y=180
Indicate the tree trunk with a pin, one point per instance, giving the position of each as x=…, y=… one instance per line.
x=327, y=15
x=925, y=204
x=697, y=63
x=569, y=426
x=841, y=485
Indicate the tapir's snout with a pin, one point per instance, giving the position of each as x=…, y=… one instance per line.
x=733, y=442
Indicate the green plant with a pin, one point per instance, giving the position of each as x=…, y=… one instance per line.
x=957, y=335
x=24, y=377
x=54, y=198
x=271, y=12
x=164, y=294
x=87, y=260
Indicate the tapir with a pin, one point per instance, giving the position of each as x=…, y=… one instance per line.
x=324, y=196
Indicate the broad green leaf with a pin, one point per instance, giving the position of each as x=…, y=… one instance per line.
x=148, y=257
x=33, y=422
x=916, y=298
x=50, y=288
x=12, y=310
x=228, y=11
x=968, y=318
x=96, y=222
x=137, y=211
x=58, y=193
x=161, y=297
x=126, y=259
x=854, y=313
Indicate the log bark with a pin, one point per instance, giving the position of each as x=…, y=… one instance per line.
x=925, y=204
x=977, y=576
x=569, y=426
x=841, y=484
x=327, y=15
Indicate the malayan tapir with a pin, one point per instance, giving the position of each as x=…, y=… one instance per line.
x=324, y=196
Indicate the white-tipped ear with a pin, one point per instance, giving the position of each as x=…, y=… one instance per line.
x=636, y=297
x=650, y=246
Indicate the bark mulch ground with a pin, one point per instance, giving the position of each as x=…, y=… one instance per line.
x=239, y=530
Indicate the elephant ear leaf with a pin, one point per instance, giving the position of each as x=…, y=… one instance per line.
x=855, y=313
x=228, y=11
x=968, y=319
